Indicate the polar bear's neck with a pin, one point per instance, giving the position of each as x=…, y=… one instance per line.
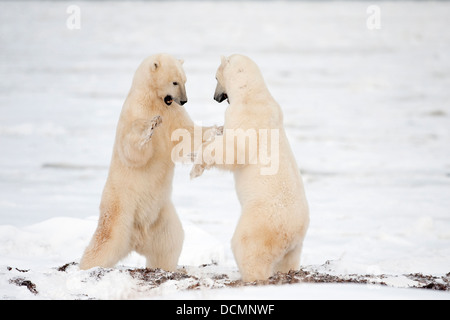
x=143, y=92
x=244, y=88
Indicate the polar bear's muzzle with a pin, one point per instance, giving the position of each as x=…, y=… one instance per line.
x=220, y=94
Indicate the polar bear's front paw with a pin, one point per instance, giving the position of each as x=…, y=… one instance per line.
x=219, y=131
x=156, y=121
x=148, y=133
x=212, y=132
x=197, y=170
x=208, y=160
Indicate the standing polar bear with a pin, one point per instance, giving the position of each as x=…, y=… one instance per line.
x=275, y=217
x=136, y=212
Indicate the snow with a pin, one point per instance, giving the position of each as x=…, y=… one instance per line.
x=367, y=113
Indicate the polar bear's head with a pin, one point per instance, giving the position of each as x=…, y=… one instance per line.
x=236, y=74
x=221, y=92
x=164, y=75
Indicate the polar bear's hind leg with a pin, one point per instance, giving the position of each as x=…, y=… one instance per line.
x=163, y=242
x=290, y=261
x=254, y=256
x=110, y=242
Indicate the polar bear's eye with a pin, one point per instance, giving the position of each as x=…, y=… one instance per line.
x=175, y=83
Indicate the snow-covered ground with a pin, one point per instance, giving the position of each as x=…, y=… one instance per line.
x=367, y=112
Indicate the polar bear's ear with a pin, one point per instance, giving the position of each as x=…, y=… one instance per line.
x=181, y=61
x=223, y=59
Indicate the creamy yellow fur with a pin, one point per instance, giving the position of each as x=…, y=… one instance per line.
x=275, y=216
x=136, y=212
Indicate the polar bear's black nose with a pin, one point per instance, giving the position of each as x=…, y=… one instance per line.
x=183, y=102
x=220, y=97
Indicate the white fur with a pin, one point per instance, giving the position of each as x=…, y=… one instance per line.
x=136, y=212
x=275, y=217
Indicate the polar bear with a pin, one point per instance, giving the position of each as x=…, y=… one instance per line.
x=136, y=211
x=275, y=215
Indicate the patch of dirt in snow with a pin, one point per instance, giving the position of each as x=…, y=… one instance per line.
x=149, y=279
x=19, y=281
x=418, y=280
x=155, y=277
